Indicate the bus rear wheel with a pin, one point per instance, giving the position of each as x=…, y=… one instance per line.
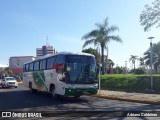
x=31, y=89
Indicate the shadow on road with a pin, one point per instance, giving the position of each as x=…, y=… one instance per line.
x=11, y=98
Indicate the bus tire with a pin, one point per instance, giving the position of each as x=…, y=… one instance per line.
x=31, y=89
x=52, y=92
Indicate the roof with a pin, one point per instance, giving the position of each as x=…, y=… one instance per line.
x=22, y=56
x=72, y=53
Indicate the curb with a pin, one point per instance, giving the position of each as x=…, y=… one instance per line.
x=127, y=99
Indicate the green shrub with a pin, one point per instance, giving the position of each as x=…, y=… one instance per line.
x=129, y=82
x=139, y=71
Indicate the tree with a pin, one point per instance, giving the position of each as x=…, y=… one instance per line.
x=151, y=15
x=101, y=37
x=133, y=58
x=9, y=71
x=93, y=52
x=141, y=60
x=110, y=63
x=155, y=54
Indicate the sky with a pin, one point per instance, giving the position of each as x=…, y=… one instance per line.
x=25, y=25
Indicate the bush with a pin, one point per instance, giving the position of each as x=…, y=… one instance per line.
x=139, y=71
x=129, y=82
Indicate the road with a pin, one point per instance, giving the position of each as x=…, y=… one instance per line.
x=21, y=100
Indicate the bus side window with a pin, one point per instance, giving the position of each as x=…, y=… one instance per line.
x=43, y=64
x=60, y=61
x=24, y=68
x=31, y=67
x=27, y=67
x=50, y=62
x=40, y=65
x=36, y=65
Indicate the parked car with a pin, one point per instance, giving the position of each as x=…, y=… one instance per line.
x=9, y=82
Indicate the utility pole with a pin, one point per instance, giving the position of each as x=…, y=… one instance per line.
x=151, y=61
x=99, y=79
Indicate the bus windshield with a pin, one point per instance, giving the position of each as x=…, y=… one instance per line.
x=80, y=69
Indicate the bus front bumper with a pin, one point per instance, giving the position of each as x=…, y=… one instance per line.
x=80, y=91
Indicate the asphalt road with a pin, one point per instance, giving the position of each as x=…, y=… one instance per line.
x=21, y=100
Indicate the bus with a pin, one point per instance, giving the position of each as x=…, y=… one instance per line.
x=64, y=73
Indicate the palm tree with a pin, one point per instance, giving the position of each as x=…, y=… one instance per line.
x=110, y=63
x=155, y=55
x=101, y=36
x=93, y=52
x=133, y=58
x=141, y=60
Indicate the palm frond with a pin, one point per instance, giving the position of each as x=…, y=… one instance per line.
x=103, y=25
x=112, y=29
x=106, y=22
x=88, y=42
x=96, y=42
x=114, y=38
x=133, y=57
x=91, y=34
x=99, y=25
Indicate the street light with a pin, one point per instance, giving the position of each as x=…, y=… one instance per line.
x=117, y=68
x=151, y=61
x=126, y=66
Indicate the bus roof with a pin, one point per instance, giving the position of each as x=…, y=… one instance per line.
x=72, y=53
x=61, y=53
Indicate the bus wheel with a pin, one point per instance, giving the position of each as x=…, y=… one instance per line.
x=31, y=89
x=52, y=92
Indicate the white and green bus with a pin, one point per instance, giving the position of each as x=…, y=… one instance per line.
x=64, y=73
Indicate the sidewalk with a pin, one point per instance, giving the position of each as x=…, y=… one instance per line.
x=129, y=96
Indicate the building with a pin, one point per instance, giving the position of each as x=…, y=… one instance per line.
x=16, y=63
x=45, y=50
x=2, y=67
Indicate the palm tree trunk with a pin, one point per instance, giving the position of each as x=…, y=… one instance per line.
x=107, y=57
x=102, y=59
x=134, y=67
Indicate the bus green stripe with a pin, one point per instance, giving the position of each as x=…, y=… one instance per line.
x=39, y=79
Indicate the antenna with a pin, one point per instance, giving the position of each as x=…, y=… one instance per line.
x=47, y=44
